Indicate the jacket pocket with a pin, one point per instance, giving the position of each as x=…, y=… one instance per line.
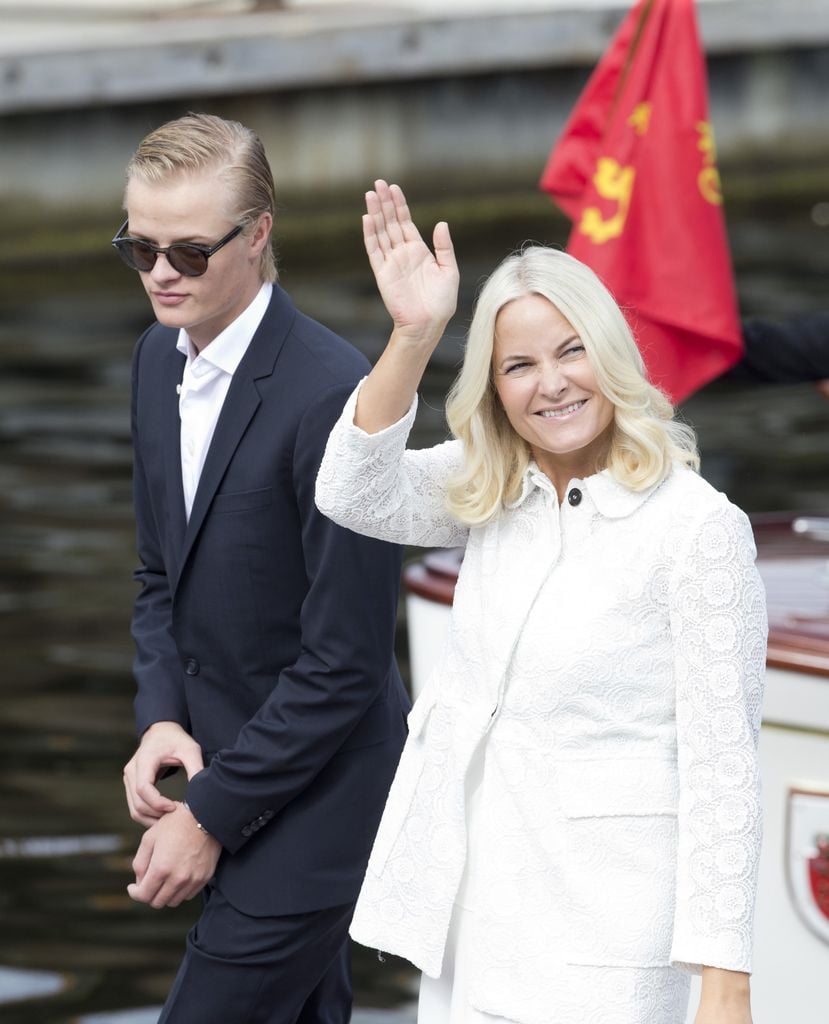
x=242, y=501
x=620, y=860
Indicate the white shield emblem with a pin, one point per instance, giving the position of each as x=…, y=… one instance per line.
x=807, y=854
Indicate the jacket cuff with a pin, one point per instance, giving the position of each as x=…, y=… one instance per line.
x=727, y=950
x=357, y=435
x=207, y=810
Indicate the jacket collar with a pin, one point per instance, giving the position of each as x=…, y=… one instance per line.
x=228, y=348
x=612, y=499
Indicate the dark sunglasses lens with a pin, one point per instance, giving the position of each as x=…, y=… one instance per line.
x=187, y=260
x=136, y=255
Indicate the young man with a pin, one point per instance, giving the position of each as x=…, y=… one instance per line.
x=264, y=633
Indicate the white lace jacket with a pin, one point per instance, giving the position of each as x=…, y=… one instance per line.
x=611, y=653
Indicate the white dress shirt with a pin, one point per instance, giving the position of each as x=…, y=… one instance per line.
x=204, y=386
x=603, y=673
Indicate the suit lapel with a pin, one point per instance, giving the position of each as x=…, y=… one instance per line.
x=240, y=405
x=172, y=451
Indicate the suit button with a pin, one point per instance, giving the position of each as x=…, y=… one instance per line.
x=267, y=815
x=191, y=667
x=574, y=497
x=247, y=831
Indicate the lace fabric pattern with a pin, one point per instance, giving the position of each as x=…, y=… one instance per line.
x=392, y=493
x=606, y=661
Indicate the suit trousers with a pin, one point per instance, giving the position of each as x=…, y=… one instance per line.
x=238, y=969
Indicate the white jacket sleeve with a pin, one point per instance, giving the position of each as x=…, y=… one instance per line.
x=373, y=485
x=719, y=627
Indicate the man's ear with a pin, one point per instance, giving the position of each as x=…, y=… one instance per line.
x=260, y=236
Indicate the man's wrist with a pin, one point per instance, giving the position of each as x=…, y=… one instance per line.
x=199, y=825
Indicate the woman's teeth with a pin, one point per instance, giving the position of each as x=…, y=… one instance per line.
x=553, y=413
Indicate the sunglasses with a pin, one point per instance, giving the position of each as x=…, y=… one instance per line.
x=188, y=258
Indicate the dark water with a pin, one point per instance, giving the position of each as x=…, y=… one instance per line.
x=66, y=335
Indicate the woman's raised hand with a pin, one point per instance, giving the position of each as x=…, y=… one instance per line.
x=420, y=289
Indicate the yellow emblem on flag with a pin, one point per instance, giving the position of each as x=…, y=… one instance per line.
x=615, y=183
x=708, y=179
x=640, y=119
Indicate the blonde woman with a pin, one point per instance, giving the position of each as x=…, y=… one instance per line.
x=574, y=826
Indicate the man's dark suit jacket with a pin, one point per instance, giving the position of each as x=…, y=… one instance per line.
x=262, y=628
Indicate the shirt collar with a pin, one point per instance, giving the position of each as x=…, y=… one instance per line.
x=226, y=350
x=612, y=499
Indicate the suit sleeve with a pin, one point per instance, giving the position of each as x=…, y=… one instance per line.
x=719, y=628
x=788, y=351
x=347, y=653
x=157, y=665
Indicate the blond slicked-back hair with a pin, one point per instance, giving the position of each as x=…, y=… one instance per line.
x=646, y=439
x=205, y=142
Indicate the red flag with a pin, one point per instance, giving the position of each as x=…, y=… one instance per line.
x=635, y=169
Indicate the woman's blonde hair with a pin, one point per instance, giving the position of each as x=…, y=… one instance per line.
x=199, y=142
x=645, y=438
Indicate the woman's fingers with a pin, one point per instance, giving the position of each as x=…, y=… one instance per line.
x=404, y=217
x=390, y=214
x=374, y=209
x=444, y=249
x=373, y=250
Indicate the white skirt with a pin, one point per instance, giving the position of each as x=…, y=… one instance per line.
x=445, y=1000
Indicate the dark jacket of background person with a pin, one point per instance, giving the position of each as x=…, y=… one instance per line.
x=788, y=351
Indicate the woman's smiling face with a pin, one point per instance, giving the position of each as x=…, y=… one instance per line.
x=548, y=389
